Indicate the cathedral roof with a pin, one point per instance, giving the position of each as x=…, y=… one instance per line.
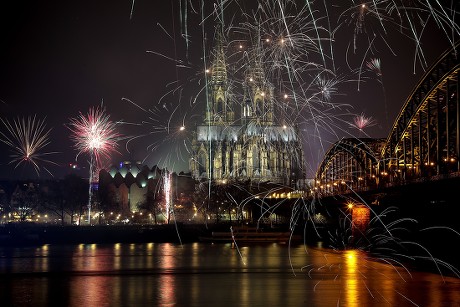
x=233, y=133
x=218, y=133
x=272, y=133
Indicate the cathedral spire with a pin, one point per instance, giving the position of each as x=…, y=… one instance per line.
x=257, y=70
x=219, y=111
x=219, y=65
x=258, y=92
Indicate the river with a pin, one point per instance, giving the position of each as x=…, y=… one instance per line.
x=201, y=274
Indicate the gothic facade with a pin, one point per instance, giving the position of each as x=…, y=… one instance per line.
x=241, y=136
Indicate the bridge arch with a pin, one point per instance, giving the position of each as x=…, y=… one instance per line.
x=350, y=163
x=425, y=140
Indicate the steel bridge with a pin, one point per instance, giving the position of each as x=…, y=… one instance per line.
x=423, y=144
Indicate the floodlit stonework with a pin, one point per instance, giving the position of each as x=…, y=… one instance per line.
x=260, y=145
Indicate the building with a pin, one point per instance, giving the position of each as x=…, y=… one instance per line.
x=243, y=136
x=131, y=187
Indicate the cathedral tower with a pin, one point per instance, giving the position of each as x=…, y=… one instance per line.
x=253, y=147
x=219, y=109
x=258, y=92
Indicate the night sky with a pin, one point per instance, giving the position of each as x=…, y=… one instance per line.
x=59, y=58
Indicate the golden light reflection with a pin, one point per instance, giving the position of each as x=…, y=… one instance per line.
x=45, y=249
x=92, y=291
x=195, y=281
x=195, y=255
x=84, y=258
x=351, y=278
x=245, y=293
x=116, y=256
x=167, y=280
x=339, y=278
x=41, y=262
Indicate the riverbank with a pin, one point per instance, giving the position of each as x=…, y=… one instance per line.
x=36, y=234
x=31, y=234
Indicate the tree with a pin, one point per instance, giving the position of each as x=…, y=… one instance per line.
x=51, y=198
x=74, y=194
x=24, y=201
x=64, y=197
x=4, y=204
x=153, y=204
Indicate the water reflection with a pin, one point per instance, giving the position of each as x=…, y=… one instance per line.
x=166, y=278
x=41, y=260
x=91, y=291
x=351, y=280
x=206, y=274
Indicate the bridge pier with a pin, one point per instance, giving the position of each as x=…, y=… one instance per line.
x=356, y=217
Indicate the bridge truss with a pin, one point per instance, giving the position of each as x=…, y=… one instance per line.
x=424, y=142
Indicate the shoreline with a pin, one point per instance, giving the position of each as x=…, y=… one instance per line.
x=39, y=234
x=24, y=235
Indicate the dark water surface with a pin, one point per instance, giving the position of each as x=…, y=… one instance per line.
x=198, y=274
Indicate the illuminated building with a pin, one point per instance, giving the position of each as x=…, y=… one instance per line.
x=132, y=187
x=259, y=145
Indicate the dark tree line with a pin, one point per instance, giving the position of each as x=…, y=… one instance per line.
x=63, y=199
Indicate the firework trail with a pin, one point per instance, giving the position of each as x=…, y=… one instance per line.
x=296, y=46
x=94, y=134
x=169, y=122
x=167, y=129
x=410, y=18
x=132, y=10
x=374, y=65
x=385, y=240
x=27, y=138
x=283, y=42
x=290, y=39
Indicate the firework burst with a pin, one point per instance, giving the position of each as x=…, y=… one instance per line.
x=27, y=138
x=362, y=122
x=95, y=134
x=374, y=65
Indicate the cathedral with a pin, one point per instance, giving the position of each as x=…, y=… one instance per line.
x=243, y=136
